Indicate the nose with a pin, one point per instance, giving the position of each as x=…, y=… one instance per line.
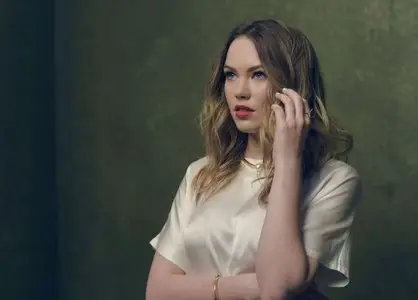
x=242, y=91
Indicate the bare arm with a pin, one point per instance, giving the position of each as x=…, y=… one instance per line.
x=282, y=265
x=169, y=282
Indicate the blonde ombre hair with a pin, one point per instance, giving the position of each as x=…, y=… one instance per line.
x=290, y=61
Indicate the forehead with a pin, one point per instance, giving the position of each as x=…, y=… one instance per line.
x=242, y=54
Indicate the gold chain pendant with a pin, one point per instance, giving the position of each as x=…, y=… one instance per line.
x=256, y=166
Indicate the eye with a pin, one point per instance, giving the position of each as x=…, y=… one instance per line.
x=259, y=75
x=229, y=75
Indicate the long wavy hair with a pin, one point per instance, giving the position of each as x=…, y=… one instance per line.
x=290, y=61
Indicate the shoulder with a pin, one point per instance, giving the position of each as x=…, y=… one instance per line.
x=335, y=176
x=195, y=166
x=337, y=170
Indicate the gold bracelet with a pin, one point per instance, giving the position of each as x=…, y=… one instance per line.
x=216, y=287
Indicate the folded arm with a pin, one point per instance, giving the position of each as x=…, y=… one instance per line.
x=169, y=282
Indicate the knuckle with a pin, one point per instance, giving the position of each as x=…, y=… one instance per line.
x=300, y=123
x=292, y=124
x=285, y=99
x=282, y=126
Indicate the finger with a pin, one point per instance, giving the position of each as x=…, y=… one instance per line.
x=279, y=114
x=291, y=93
x=289, y=107
x=298, y=104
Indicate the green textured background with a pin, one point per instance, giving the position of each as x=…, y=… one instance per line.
x=115, y=140
x=28, y=206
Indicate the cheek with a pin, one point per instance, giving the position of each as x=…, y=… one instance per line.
x=263, y=95
x=227, y=88
x=260, y=88
x=228, y=94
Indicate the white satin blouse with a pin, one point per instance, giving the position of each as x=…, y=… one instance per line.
x=220, y=235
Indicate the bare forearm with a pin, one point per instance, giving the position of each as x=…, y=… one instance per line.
x=281, y=261
x=186, y=287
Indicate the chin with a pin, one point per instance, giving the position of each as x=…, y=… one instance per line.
x=247, y=129
x=247, y=125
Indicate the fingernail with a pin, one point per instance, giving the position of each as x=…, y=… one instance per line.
x=284, y=89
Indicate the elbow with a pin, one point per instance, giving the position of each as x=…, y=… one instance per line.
x=280, y=292
x=273, y=295
x=150, y=294
x=284, y=285
x=153, y=295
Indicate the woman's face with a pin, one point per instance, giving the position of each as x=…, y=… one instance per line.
x=246, y=85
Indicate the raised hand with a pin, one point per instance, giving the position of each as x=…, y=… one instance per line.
x=292, y=122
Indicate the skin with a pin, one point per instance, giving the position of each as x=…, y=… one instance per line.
x=273, y=276
x=290, y=272
x=247, y=84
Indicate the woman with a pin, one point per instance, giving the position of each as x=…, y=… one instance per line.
x=266, y=214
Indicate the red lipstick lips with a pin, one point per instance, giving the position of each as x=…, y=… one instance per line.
x=243, y=112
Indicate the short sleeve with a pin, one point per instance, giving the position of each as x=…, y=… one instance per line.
x=169, y=241
x=327, y=223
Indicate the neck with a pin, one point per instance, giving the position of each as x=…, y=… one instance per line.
x=254, y=147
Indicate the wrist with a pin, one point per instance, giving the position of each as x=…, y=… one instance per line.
x=288, y=162
x=241, y=286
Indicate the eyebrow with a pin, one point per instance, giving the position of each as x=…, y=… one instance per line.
x=250, y=69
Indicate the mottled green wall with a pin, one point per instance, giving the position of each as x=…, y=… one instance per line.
x=28, y=229
x=129, y=85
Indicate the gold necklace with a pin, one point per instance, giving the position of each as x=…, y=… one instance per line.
x=256, y=166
